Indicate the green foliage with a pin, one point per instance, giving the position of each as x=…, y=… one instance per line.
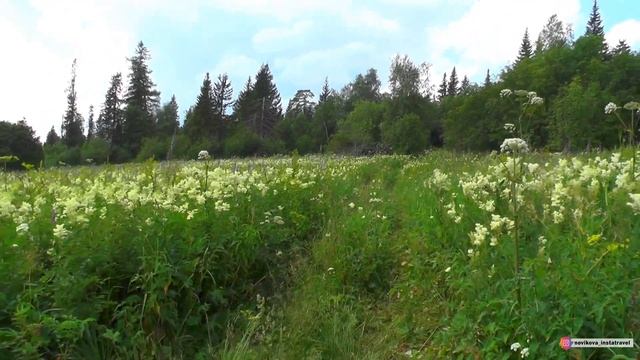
x=242, y=142
x=360, y=130
x=406, y=135
x=96, y=150
x=19, y=140
x=154, y=148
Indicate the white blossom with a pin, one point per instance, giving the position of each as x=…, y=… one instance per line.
x=506, y=93
x=203, y=155
x=514, y=145
x=610, y=108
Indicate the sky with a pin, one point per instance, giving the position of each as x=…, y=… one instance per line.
x=303, y=41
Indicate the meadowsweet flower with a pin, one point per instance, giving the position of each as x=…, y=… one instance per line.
x=447, y=269
x=60, y=232
x=203, y=155
x=479, y=235
x=514, y=145
x=515, y=346
x=610, y=108
x=536, y=100
x=635, y=203
x=22, y=229
x=510, y=127
x=352, y=205
x=506, y=93
x=524, y=353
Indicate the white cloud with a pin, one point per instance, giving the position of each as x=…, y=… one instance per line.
x=628, y=30
x=368, y=19
x=279, y=38
x=490, y=32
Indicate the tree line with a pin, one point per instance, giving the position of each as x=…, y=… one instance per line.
x=576, y=77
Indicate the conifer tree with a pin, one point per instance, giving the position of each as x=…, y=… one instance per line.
x=621, y=48
x=201, y=124
x=465, y=86
x=110, y=121
x=268, y=101
x=72, y=122
x=243, y=107
x=91, y=129
x=594, y=25
x=326, y=91
x=487, y=79
x=52, y=137
x=452, y=90
x=222, y=95
x=142, y=100
x=168, y=122
x=525, y=47
x=442, y=90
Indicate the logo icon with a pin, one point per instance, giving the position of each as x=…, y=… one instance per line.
x=565, y=343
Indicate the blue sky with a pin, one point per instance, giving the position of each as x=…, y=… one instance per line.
x=302, y=40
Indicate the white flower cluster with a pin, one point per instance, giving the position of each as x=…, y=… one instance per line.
x=524, y=352
x=203, y=155
x=610, y=108
x=510, y=127
x=514, y=145
x=536, y=100
x=479, y=235
x=635, y=203
x=506, y=93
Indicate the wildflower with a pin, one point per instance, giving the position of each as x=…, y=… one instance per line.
x=524, y=353
x=635, y=203
x=536, y=100
x=610, y=108
x=494, y=241
x=514, y=145
x=447, y=269
x=479, y=235
x=505, y=93
x=278, y=220
x=633, y=105
x=203, y=155
x=352, y=205
x=532, y=94
x=14, y=245
x=515, y=346
x=60, y=232
x=22, y=229
x=510, y=127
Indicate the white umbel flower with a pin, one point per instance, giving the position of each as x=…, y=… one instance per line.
x=514, y=145
x=515, y=346
x=506, y=93
x=610, y=108
x=203, y=155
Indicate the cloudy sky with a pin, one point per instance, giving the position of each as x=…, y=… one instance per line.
x=302, y=40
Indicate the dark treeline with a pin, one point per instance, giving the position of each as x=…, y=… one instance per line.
x=576, y=78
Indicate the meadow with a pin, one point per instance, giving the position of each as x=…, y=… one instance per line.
x=444, y=255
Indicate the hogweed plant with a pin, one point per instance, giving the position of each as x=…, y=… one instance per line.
x=634, y=108
x=517, y=147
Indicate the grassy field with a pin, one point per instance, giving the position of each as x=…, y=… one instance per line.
x=440, y=256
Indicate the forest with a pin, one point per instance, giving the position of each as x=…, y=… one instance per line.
x=576, y=77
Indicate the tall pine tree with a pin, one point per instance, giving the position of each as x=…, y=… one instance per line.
x=72, y=128
x=110, y=121
x=168, y=122
x=594, y=25
x=452, y=90
x=525, y=47
x=326, y=91
x=202, y=122
x=142, y=100
x=442, y=90
x=269, y=108
x=487, y=79
x=91, y=128
x=465, y=86
x=222, y=96
x=52, y=137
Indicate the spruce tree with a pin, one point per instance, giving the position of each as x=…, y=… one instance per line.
x=110, y=121
x=91, y=129
x=72, y=122
x=142, y=100
x=201, y=124
x=52, y=137
x=621, y=48
x=267, y=99
x=452, y=90
x=525, y=47
x=594, y=25
x=442, y=90
x=243, y=107
x=465, y=86
x=168, y=122
x=326, y=91
x=487, y=79
x=222, y=96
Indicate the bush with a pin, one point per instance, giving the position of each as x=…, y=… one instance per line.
x=154, y=148
x=406, y=135
x=96, y=149
x=243, y=142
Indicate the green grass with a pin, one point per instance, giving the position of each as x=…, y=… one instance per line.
x=327, y=258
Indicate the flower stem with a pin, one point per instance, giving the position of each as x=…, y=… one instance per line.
x=516, y=238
